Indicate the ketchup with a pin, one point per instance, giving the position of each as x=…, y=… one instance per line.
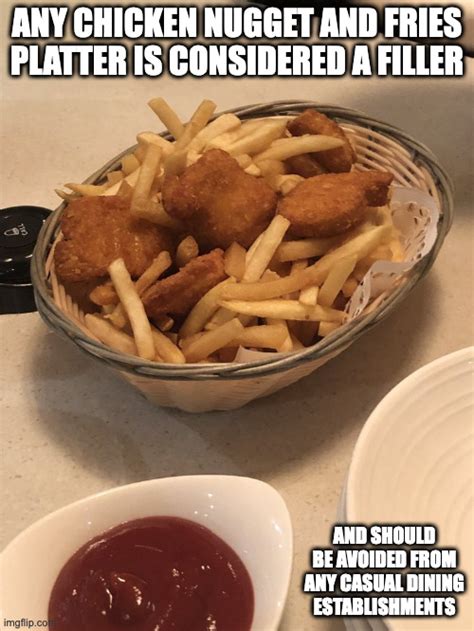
x=153, y=574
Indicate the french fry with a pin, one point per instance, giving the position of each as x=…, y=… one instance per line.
x=187, y=250
x=382, y=253
x=380, y=215
x=221, y=125
x=272, y=237
x=336, y=278
x=325, y=328
x=87, y=190
x=67, y=197
x=107, y=309
x=316, y=274
x=140, y=151
x=285, y=148
x=148, y=137
x=160, y=264
x=197, y=122
x=286, y=344
x=221, y=316
x=271, y=171
x=250, y=124
x=167, y=116
x=165, y=324
x=397, y=250
x=224, y=315
x=203, y=310
x=175, y=163
x=286, y=183
x=104, y=295
x=309, y=296
x=166, y=349
x=272, y=167
x=185, y=342
x=134, y=308
x=305, y=332
x=212, y=341
x=253, y=169
x=296, y=267
x=244, y=160
x=125, y=190
x=129, y=179
x=234, y=260
x=118, y=317
x=129, y=164
x=252, y=248
x=297, y=345
x=283, y=309
x=304, y=248
x=156, y=213
x=114, y=177
x=192, y=157
x=270, y=274
x=349, y=287
x=109, y=335
x=148, y=169
x=260, y=336
x=223, y=141
x=258, y=139
x=359, y=273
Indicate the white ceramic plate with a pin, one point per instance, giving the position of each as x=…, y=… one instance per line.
x=247, y=514
x=414, y=463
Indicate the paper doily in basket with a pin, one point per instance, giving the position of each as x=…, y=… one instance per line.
x=416, y=215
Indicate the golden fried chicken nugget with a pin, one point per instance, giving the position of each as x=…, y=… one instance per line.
x=305, y=165
x=177, y=294
x=338, y=160
x=330, y=204
x=376, y=185
x=98, y=230
x=218, y=202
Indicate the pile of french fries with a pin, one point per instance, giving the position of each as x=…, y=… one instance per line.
x=279, y=295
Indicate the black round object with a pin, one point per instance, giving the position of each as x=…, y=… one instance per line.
x=19, y=229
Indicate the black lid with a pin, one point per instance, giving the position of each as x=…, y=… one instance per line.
x=19, y=229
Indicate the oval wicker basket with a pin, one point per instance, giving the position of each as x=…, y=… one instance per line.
x=228, y=386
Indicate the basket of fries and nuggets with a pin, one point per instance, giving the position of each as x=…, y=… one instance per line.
x=236, y=253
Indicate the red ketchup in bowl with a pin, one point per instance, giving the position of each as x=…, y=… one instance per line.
x=158, y=573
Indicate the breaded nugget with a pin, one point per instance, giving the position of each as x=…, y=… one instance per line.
x=177, y=294
x=327, y=205
x=338, y=160
x=98, y=230
x=218, y=202
x=305, y=165
x=376, y=185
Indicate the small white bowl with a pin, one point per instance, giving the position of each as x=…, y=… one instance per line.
x=247, y=514
x=413, y=464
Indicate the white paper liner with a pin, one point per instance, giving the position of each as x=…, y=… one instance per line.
x=415, y=214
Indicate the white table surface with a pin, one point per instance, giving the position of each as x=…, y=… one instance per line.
x=69, y=428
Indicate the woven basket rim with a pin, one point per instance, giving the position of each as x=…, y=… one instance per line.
x=59, y=322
